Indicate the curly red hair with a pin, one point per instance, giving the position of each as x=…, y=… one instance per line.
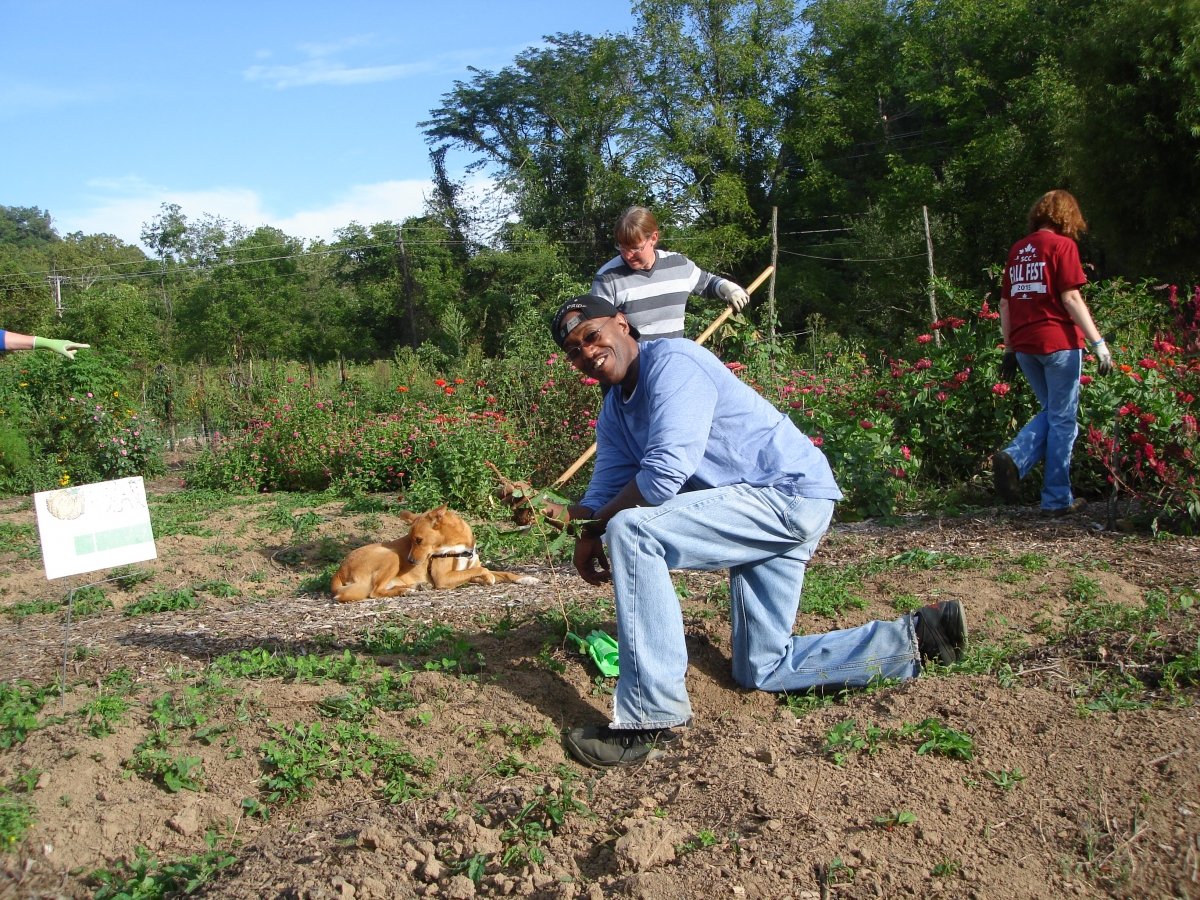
x=1057, y=210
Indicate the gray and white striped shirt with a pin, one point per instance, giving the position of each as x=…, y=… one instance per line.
x=654, y=300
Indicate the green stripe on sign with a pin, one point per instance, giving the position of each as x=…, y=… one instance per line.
x=113, y=538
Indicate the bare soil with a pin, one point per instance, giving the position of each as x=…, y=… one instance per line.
x=746, y=806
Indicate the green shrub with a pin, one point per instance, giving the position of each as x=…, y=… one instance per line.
x=163, y=601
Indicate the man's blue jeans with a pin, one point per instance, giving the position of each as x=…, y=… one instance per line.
x=765, y=537
x=1050, y=435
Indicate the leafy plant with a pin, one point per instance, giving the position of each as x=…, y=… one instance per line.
x=942, y=740
x=129, y=577
x=153, y=760
x=830, y=591
x=16, y=816
x=219, y=588
x=895, y=818
x=89, y=601
x=163, y=601
x=148, y=879
x=1006, y=779
x=104, y=713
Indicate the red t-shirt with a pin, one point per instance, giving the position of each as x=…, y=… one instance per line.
x=1040, y=268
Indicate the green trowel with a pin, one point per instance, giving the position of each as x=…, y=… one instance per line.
x=602, y=649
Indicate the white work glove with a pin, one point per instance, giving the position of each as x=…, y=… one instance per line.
x=1104, y=361
x=733, y=295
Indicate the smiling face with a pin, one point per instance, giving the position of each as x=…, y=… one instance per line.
x=602, y=349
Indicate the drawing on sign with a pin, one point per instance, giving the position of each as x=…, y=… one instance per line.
x=66, y=504
x=94, y=526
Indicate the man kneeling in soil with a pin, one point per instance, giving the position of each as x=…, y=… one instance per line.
x=694, y=470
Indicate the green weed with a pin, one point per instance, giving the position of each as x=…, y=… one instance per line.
x=1115, y=700
x=104, y=713
x=538, y=820
x=129, y=577
x=941, y=739
x=1084, y=590
x=163, y=601
x=830, y=591
x=25, y=608
x=810, y=701
x=1032, y=562
x=906, y=603
x=89, y=601
x=148, y=879
x=20, y=702
x=152, y=760
x=929, y=559
x=16, y=816
x=219, y=588
x=261, y=663
x=20, y=539
x=947, y=868
x=895, y=818
x=300, y=755
x=320, y=583
x=1006, y=779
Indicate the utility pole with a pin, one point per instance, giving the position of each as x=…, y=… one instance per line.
x=937, y=334
x=408, y=287
x=774, y=263
x=56, y=289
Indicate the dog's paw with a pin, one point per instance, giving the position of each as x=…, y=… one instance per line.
x=528, y=579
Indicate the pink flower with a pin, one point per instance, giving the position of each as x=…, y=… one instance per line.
x=923, y=364
x=1000, y=389
x=942, y=396
x=1085, y=379
x=1189, y=423
x=89, y=393
x=1148, y=363
x=866, y=424
x=320, y=405
x=924, y=338
x=818, y=441
x=591, y=423
x=590, y=381
x=907, y=453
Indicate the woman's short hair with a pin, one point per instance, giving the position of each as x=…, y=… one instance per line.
x=1060, y=211
x=634, y=226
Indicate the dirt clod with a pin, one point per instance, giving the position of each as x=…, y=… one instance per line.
x=647, y=844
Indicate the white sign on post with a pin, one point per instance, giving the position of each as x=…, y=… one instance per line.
x=94, y=526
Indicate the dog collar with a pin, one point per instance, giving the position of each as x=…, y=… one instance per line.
x=466, y=554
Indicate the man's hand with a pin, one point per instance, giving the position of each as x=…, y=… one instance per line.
x=1008, y=366
x=1104, y=360
x=62, y=348
x=733, y=295
x=552, y=510
x=590, y=561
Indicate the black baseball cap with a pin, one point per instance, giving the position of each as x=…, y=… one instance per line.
x=580, y=309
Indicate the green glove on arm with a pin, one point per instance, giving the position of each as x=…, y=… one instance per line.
x=62, y=348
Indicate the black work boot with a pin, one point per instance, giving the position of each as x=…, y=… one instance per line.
x=1006, y=477
x=600, y=746
x=942, y=631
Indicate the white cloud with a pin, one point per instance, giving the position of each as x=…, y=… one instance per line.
x=124, y=204
x=323, y=71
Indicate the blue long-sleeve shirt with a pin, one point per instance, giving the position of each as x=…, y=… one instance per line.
x=691, y=424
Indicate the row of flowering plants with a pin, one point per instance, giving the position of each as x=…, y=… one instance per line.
x=1142, y=423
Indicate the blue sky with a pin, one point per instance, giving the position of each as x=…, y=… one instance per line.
x=302, y=115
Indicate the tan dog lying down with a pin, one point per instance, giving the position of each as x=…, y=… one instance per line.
x=439, y=549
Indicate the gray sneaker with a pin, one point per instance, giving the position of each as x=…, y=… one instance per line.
x=600, y=746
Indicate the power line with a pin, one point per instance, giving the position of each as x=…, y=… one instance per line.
x=840, y=259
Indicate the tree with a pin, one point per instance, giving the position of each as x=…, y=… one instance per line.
x=26, y=226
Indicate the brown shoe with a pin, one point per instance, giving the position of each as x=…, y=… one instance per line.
x=1077, y=505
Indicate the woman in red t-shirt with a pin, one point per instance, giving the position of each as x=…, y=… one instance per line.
x=1046, y=322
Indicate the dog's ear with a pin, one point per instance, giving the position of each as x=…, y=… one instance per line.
x=435, y=515
x=408, y=516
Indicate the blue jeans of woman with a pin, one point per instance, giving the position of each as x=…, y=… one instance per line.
x=1050, y=435
x=765, y=537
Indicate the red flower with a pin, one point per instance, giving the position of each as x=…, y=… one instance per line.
x=907, y=453
x=1148, y=363
x=865, y=424
x=1001, y=388
x=1189, y=423
x=449, y=390
x=942, y=396
x=402, y=389
x=984, y=314
x=817, y=441
x=1138, y=438
x=458, y=381
x=924, y=338
x=440, y=382
x=1085, y=379
x=1148, y=418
